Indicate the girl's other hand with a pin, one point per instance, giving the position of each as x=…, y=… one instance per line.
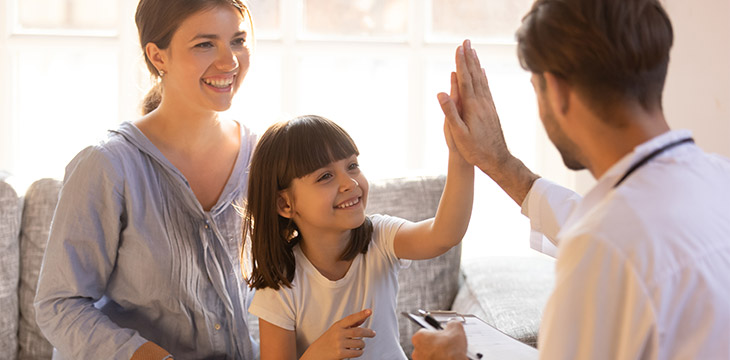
x=343, y=339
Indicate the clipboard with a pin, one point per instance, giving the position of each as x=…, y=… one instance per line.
x=483, y=340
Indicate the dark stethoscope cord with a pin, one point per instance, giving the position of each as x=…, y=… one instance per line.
x=654, y=154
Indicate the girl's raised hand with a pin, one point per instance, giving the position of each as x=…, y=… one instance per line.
x=343, y=339
x=454, y=96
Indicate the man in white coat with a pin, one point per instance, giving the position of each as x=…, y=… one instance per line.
x=643, y=260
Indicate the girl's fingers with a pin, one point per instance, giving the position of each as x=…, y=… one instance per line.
x=451, y=113
x=354, y=344
x=351, y=353
x=454, y=93
x=359, y=332
x=356, y=319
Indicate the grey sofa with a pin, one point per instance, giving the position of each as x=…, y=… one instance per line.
x=509, y=293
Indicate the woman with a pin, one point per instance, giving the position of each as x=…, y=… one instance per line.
x=143, y=258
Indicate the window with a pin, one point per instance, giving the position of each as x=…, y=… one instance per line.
x=373, y=66
x=84, y=16
x=65, y=65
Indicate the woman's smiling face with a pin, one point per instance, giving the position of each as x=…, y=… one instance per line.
x=207, y=59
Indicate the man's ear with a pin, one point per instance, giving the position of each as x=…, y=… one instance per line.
x=284, y=205
x=157, y=56
x=558, y=92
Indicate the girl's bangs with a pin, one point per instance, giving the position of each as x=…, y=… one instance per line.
x=316, y=142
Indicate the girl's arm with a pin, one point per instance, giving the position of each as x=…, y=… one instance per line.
x=276, y=342
x=433, y=237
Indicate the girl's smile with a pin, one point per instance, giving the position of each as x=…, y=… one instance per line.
x=347, y=204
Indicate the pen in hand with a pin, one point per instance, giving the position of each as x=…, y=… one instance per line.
x=437, y=325
x=430, y=320
x=433, y=322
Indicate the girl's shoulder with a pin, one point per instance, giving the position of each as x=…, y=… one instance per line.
x=385, y=224
x=385, y=228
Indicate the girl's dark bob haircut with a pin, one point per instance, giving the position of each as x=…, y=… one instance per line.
x=287, y=151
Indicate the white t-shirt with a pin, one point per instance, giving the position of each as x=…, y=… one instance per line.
x=643, y=269
x=314, y=303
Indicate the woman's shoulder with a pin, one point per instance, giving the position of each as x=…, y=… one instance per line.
x=98, y=157
x=248, y=137
x=93, y=171
x=112, y=148
x=106, y=158
x=241, y=129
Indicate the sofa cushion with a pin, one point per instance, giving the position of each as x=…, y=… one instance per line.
x=40, y=203
x=508, y=293
x=426, y=284
x=10, y=210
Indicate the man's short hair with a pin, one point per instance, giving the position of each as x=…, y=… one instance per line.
x=611, y=50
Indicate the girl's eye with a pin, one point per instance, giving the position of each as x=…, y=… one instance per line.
x=324, y=176
x=354, y=166
x=204, y=45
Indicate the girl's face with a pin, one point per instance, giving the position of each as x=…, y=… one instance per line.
x=329, y=200
x=207, y=59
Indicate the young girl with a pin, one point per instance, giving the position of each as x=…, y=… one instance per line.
x=142, y=258
x=322, y=268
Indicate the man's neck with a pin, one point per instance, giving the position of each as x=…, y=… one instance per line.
x=606, y=144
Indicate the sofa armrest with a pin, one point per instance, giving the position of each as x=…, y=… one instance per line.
x=10, y=210
x=39, y=206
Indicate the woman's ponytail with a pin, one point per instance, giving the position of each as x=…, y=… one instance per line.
x=152, y=99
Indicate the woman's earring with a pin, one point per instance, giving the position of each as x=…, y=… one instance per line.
x=162, y=73
x=294, y=234
x=291, y=232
